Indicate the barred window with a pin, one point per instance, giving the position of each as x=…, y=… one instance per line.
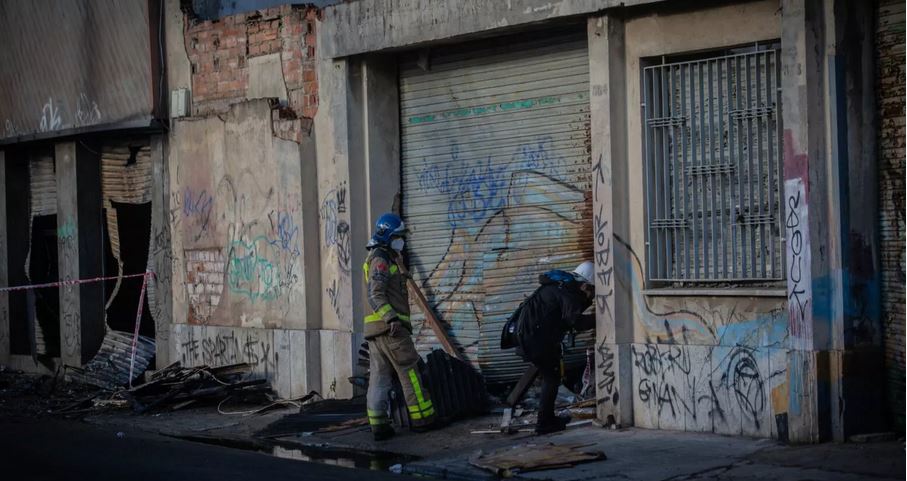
x=712, y=147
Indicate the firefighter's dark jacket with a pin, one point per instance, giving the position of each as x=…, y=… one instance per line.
x=551, y=312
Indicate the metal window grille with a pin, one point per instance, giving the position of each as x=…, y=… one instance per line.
x=713, y=169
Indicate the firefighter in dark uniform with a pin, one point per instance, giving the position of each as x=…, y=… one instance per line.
x=389, y=333
x=553, y=310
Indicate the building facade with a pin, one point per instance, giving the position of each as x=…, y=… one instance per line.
x=717, y=161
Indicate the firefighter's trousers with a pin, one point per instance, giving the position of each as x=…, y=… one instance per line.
x=396, y=354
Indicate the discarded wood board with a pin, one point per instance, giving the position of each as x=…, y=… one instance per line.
x=506, y=419
x=351, y=423
x=534, y=457
x=437, y=327
x=522, y=386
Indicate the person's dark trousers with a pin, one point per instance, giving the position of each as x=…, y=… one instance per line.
x=550, y=370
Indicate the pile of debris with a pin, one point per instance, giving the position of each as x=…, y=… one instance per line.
x=457, y=390
x=115, y=364
x=176, y=387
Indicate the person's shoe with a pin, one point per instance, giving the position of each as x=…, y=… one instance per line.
x=383, y=432
x=559, y=423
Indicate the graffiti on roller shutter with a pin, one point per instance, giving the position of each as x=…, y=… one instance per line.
x=473, y=190
x=476, y=191
x=485, y=201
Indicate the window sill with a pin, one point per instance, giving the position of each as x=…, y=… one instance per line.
x=713, y=292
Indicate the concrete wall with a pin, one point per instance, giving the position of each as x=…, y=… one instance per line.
x=236, y=211
x=713, y=360
x=253, y=186
x=271, y=205
x=374, y=25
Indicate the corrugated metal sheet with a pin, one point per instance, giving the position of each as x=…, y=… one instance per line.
x=126, y=172
x=890, y=37
x=457, y=390
x=43, y=183
x=126, y=179
x=109, y=368
x=75, y=64
x=496, y=182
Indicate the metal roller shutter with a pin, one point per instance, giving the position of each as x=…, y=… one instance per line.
x=43, y=183
x=496, y=183
x=126, y=172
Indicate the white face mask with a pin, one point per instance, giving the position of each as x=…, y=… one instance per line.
x=397, y=244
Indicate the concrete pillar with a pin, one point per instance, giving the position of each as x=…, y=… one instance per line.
x=311, y=252
x=382, y=133
x=342, y=245
x=160, y=258
x=609, y=144
x=831, y=240
x=851, y=283
x=808, y=229
x=80, y=252
x=4, y=273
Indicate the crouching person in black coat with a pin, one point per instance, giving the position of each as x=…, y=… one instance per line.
x=541, y=322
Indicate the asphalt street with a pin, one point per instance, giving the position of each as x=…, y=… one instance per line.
x=52, y=449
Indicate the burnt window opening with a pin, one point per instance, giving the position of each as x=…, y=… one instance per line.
x=134, y=231
x=43, y=267
x=133, y=154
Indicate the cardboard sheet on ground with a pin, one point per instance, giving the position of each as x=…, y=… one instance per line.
x=534, y=457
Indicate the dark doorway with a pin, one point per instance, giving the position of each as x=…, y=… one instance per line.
x=43, y=268
x=134, y=229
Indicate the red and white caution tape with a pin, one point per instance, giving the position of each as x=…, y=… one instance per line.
x=72, y=282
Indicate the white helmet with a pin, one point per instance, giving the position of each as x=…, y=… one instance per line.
x=585, y=272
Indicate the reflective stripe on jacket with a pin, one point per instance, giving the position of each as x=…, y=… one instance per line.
x=387, y=295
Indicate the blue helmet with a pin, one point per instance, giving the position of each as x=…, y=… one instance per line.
x=388, y=225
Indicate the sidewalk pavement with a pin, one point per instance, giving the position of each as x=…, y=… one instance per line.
x=632, y=454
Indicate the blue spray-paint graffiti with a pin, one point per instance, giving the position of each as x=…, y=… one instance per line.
x=540, y=156
x=197, y=207
x=336, y=228
x=474, y=191
x=287, y=234
x=196, y=203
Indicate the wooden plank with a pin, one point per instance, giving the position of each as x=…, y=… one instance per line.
x=506, y=419
x=436, y=326
x=522, y=386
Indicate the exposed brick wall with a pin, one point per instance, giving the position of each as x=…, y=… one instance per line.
x=890, y=49
x=219, y=52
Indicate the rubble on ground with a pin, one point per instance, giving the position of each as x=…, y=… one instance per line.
x=526, y=457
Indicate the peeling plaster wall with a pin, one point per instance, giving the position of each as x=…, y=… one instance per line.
x=341, y=254
x=239, y=277
x=235, y=212
x=373, y=25
x=699, y=363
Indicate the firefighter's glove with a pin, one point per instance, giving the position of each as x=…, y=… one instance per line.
x=396, y=327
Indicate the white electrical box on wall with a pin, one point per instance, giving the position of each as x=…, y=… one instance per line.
x=179, y=103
